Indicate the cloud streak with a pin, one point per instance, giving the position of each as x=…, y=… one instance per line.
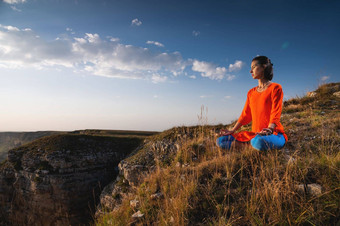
x=136, y=22
x=14, y=1
x=16, y=9
x=100, y=56
x=196, y=33
x=157, y=78
x=155, y=43
x=324, y=78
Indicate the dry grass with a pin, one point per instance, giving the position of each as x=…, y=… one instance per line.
x=208, y=186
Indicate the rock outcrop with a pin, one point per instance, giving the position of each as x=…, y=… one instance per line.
x=57, y=180
x=133, y=169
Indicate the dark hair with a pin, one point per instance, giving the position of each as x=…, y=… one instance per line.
x=268, y=71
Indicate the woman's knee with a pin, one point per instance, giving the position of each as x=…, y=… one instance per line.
x=264, y=143
x=225, y=142
x=260, y=143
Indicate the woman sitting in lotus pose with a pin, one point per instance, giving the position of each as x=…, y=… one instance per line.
x=263, y=108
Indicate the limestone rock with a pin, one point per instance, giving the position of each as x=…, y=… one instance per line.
x=134, y=203
x=133, y=169
x=137, y=215
x=313, y=189
x=156, y=196
x=133, y=173
x=311, y=94
x=56, y=180
x=337, y=94
x=111, y=196
x=137, y=166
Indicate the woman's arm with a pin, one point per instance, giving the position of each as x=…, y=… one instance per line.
x=225, y=132
x=272, y=126
x=277, y=98
x=269, y=130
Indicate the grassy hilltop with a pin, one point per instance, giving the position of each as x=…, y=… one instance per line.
x=203, y=185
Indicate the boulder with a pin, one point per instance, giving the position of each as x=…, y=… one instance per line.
x=312, y=189
x=337, y=94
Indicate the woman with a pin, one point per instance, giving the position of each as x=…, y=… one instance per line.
x=263, y=108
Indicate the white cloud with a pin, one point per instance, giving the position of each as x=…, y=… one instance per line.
x=9, y=28
x=16, y=9
x=230, y=77
x=175, y=73
x=92, y=38
x=16, y=45
x=205, y=96
x=14, y=1
x=236, y=66
x=136, y=22
x=80, y=40
x=324, y=78
x=209, y=70
x=20, y=48
x=155, y=43
x=226, y=97
x=70, y=30
x=157, y=78
x=89, y=53
x=196, y=33
x=113, y=39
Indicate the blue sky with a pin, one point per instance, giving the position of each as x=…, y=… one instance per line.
x=151, y=65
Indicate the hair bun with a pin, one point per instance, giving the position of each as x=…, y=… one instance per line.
x=269, y=62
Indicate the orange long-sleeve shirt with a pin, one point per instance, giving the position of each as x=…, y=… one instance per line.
x=262, y=109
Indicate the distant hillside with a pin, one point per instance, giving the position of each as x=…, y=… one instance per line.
x=9, y=140
x=116, y=133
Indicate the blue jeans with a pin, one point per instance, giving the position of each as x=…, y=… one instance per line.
x=260, y=143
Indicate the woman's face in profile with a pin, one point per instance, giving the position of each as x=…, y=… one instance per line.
x=256, y=70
